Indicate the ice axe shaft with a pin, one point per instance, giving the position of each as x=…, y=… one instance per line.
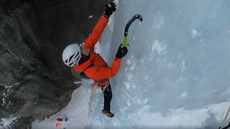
x=137, y=16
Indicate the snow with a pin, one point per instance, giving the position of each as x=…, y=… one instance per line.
x=158, y=46
x=5, y=122
x=184, y=94
x=176, y=73
x=76, y=111
x=91, y=16
x=6, y=94
x=194, y=33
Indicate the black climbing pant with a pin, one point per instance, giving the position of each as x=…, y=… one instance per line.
x=107, y=98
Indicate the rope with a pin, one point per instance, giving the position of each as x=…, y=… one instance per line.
x=94, y=92
x=225, y=118
x=90, y=109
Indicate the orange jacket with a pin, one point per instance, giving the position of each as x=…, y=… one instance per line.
x=100, y=72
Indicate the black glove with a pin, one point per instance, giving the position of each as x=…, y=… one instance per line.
x=121, y=52
x=109, y=9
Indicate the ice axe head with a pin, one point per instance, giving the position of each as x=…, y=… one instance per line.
x=136, y=16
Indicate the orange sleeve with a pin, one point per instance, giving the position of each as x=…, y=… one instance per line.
x=99, y=73
x=97, y=31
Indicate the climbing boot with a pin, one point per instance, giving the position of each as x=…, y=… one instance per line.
x=109, y=114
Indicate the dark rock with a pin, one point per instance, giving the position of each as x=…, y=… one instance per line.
x=34, y=82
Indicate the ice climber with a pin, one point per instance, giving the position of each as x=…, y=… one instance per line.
x=82, y=58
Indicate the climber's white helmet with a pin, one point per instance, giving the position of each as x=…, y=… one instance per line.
x=71, y=55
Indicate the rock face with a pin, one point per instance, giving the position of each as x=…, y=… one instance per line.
x=34, y=82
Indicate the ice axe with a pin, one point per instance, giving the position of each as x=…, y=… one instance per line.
x=137, y=16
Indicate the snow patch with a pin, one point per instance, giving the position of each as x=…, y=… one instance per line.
x=177, y=117
x=158, y=21
x=128, y=62
x=192, y=118
x=128, y=103
x=180, y=80
x=170, y=65
x=201, y=40
x=141, y=101
x=179, y=56
x=76, y=110
x=219, y=110
x=127, y=85
x=183, y=65
x=5, y=122
x=77, y=82
x=132, y=65
x=184, y=94
x=158, y=46
x=90, y=16
x=142, y=60
x=98, y=47
x=6, y=95
x=194, y=33
x=134, y=86
x=130, y=76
